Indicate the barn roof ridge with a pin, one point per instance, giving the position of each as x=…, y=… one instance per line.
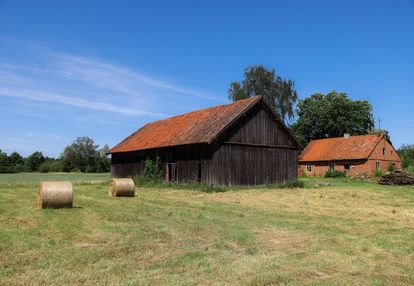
x=201, y=109
x=198, y=126
x=360, y=135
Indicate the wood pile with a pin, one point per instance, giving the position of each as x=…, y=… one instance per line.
x=364, y=176
x=397, y=178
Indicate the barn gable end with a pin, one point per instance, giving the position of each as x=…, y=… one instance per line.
x=256, y=149
x=259, y=126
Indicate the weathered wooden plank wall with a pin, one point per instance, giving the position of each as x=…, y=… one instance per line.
x=258, y=127
x=255, y=150
x=128, y=164
x=187, y=163
x=246, y=165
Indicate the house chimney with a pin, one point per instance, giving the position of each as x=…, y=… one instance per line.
x=346, y=135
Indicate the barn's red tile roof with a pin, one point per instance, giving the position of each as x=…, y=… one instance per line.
x=201, y=126
x=340, y=148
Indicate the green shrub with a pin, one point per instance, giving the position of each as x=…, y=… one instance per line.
x=378, y=173
x=55, y=166
x=142, y=181
x=148, y=169
x=410, y=169
x=334, y=174
x=19, y=168
x=44, y=167
x=90, y=169
x=158, y=169
x=153, y=170
x=50, y=165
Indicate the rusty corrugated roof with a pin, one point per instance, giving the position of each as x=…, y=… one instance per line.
x=340, y=148
x=201, y=126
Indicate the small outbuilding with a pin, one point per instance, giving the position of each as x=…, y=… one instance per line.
x=350, y=154
x=243, y=143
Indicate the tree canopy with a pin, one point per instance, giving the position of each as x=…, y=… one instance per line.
x=4, y=163
x=278, y=92
x=381, y=131
x=35, y=160
x=84, y=155
x=406, y=152
x=331, y=115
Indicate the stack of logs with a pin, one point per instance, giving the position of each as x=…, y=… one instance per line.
x=397, y=178
x=364, y=176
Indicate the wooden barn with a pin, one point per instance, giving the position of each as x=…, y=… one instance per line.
x=243, y=143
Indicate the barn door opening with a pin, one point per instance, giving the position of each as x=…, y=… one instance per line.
x=171, y=172
x=171, y=166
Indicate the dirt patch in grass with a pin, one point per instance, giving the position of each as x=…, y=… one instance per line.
x=283, y=242
x=26, y=222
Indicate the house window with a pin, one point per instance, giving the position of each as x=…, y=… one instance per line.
x=331, y=166
x=346, y=167
x=378, y=165
x=384, y=151
x=308, y=167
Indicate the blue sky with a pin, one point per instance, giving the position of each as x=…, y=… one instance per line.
x=104, y=68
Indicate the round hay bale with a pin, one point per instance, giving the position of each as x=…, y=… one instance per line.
x=121, y=188
x=55, y=195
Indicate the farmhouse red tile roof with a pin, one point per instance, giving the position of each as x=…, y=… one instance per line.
x=340, y=148
x=201, y=126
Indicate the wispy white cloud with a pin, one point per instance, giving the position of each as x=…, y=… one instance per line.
x=47, y=96
x=116, y=78
x=89, y=83
x=49, y=92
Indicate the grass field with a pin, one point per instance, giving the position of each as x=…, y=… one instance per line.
x=343, y=234
x=25, y=178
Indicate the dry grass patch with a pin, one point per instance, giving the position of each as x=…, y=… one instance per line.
x=361, y=204
x=339, y=235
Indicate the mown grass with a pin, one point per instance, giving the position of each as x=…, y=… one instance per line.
x=24, y=178
x=346, y=233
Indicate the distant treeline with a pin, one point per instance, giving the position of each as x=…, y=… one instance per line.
x=406, y=151
x=83, y=155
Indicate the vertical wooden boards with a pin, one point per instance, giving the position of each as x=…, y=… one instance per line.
x=257, y=149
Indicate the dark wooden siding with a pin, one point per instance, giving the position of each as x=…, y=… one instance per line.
x=258, y=126
x=250, y=165
x=187, y=159
x=128, y=164
x=187, y=163
x=255, y=150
